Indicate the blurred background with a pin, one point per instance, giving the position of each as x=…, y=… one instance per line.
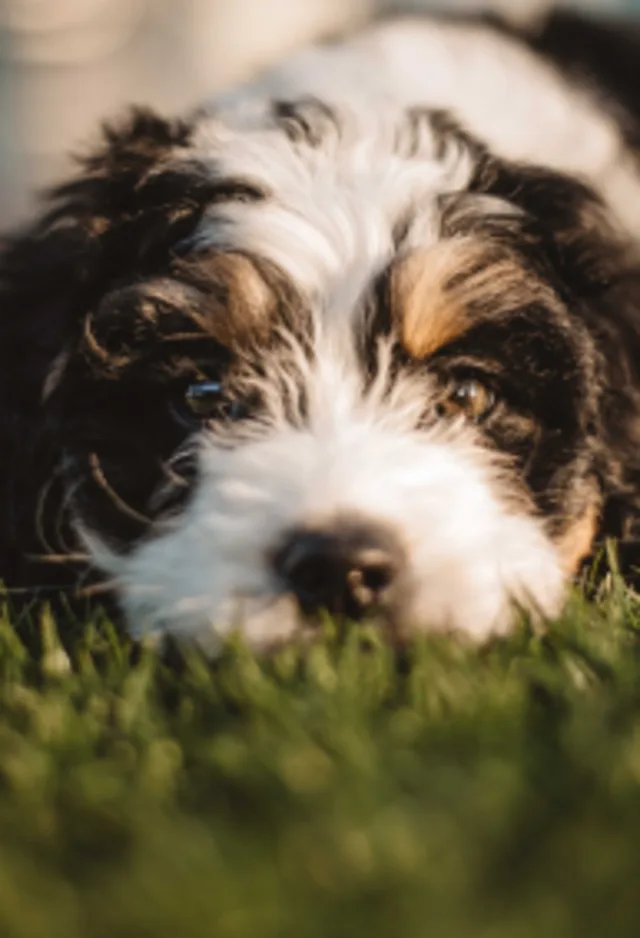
x=66, y=64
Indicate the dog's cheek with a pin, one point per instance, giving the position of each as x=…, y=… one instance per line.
x=577, y=541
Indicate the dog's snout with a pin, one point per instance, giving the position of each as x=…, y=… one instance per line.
x=351, y=569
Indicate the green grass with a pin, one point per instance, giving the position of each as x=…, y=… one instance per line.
x=334, y=791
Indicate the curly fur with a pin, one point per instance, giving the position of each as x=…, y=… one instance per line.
x=338, y=247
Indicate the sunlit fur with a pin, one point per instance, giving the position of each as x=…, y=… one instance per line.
x=338, y=249
x=472, y=550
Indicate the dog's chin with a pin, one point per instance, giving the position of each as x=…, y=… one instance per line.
x=270, y=622
x=263, y=623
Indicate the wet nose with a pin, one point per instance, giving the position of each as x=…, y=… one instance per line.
x=352, y=568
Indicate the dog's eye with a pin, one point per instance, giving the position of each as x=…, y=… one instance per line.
x=470, y=398
x=207, y=400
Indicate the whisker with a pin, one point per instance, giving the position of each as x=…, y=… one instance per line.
x=61, y=509
x=96, y=589
x=64, y=507
x=174, y=477
x=100, y=478
x=81, y=592
x=31, y=590
x=60, y=558
x=41, y=503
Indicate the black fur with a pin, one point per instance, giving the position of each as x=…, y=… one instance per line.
x=112, y=241
x=119, y=220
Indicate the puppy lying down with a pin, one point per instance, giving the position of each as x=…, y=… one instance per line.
x=362, y=335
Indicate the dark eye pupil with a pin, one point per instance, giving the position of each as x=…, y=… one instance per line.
x=471, y=398
x=209, y=400
x=204, y=398
x=468, y=392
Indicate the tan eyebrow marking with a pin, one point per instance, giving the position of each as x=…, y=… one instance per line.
x=248, y=295
x=430, y=313
x=221, y=296
x=433, y=290
x=243, y=294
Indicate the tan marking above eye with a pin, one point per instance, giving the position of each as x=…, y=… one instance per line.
x=244, y=294
x=249, y=294
x=433, y=291
x=429, y=312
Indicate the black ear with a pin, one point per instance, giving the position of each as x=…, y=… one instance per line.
x=596, y=269
x=614, y=322
x=599, y=268
x=134, y=198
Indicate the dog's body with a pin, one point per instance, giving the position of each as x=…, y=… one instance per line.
x=361, y=335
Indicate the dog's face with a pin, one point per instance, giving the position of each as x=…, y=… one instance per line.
x=312, y=364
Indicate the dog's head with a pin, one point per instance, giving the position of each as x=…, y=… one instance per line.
x=307, y=360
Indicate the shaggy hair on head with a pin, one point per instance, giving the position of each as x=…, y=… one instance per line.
x=361, y=336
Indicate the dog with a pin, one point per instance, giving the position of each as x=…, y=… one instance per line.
x=360, y=336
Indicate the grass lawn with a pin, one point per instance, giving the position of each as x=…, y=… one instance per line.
x=340, y=790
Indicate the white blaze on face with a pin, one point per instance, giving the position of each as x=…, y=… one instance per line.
x=330, y=211
x=471, y=549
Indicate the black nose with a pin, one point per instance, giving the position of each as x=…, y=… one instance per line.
x=351, y=568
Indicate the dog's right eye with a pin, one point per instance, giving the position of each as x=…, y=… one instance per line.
x=209, y=400
x=470, y=398
x=205, y=399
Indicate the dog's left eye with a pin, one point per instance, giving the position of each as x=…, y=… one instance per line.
x=207, y=400
x=470, y=398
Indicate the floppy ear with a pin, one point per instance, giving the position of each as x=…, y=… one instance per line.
x=596, y=269
x=602, y=271
x=616, y=327
x=134, y=198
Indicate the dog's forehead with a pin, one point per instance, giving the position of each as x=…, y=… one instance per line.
x=314, y=206
x=344, y=192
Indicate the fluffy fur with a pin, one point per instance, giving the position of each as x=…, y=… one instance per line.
x=363, y=335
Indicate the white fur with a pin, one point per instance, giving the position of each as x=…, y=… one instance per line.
x=471, y=551
x=329, y=223
x=356, y=174
x=513, y=100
